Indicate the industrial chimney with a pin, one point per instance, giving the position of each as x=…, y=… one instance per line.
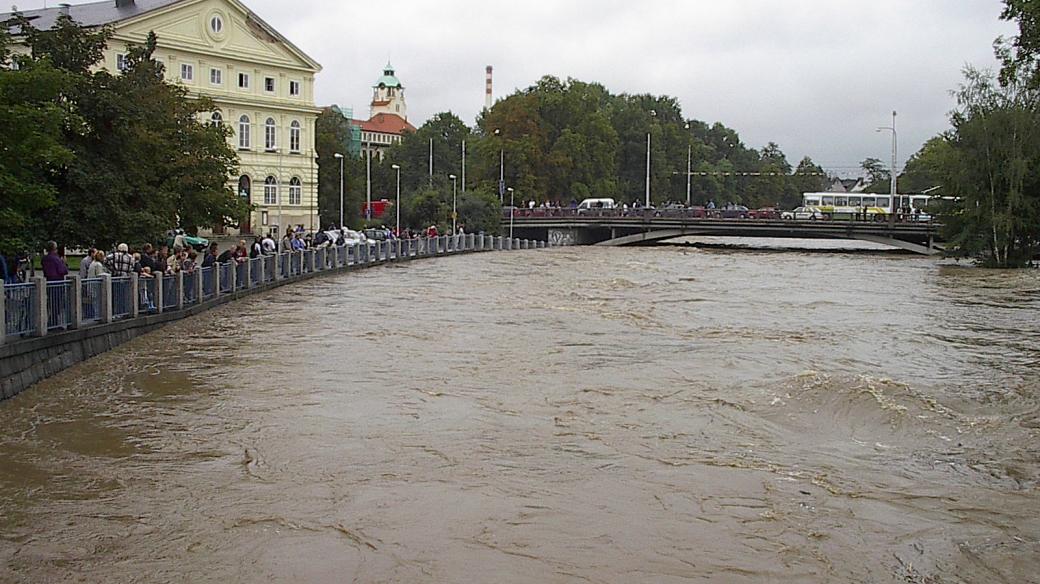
x=487, y=89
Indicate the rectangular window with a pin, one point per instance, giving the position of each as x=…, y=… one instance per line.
x=243, y=80
x=295, y=194
x=828, y=201
x=121, y=63
x=883, y=202
x=263, y=217
x=216, y=76
x=187, y=72
x=294, y=88
x=269, y=84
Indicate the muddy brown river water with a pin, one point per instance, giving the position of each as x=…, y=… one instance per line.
x=572, y=415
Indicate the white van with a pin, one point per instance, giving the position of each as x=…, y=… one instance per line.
x=589, y=204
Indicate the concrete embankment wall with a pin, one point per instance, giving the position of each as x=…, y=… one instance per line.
x=28, y=361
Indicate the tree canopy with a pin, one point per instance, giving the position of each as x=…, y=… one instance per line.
x=124, y=156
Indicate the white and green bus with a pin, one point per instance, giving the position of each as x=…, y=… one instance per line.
x=853, y=205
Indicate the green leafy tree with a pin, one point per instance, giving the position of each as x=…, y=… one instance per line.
x=32, y=148
x=332, y=135
x=991, y=165
x=141, y=162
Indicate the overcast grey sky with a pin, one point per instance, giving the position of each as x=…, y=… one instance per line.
x=815, y=76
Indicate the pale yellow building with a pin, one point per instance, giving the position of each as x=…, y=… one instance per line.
x=262, y=85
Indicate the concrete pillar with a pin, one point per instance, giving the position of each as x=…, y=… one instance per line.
x=159, y=292
x=106, y=297
x=198, y=285
x=75, y=299
x=40, y=314
x=278, y=266
x=262, y=267
x=178, y=286
x=311, y=260
x=216, y=280
x=233, y=276
x=135, y=293
x=248, y=273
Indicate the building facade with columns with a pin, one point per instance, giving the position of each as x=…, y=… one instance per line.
x=261, y=84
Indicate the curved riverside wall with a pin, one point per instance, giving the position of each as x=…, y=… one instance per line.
x=24, y=362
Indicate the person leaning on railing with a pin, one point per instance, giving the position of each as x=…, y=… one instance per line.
x=54, y=268
x=120, y=263
x=97, y=265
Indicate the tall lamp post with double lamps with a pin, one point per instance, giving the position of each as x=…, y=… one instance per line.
x=894, y=146
x=397, y=205
x=340, y=158
x=454, y=198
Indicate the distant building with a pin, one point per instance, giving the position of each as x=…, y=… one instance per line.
x=261, y=84
x=848, y=185
x=388, y=115
x=352, y=146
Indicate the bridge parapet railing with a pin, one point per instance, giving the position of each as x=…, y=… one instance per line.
x=20, y=310
x=90, y=300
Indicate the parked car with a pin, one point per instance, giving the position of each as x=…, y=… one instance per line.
x=177, y=236
x=765, y=213
x=733, y=212
x=802, y=214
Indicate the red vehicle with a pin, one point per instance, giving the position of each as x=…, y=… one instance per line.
x=379, y=208
x=764, y=213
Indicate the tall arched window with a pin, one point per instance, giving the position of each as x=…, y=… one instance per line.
x=294, y=136
x=295, y=191
x=270, y=191
x=243, y=132
x=270, y=135
x=245, y=187
x=216, y=119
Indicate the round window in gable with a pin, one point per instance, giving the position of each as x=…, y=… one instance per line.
x=216, y=24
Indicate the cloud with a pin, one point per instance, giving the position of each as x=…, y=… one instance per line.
x=815, y=76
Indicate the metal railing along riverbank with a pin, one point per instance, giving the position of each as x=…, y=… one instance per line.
x=38, y=307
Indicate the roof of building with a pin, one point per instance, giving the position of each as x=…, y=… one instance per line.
x=107, y=12
x=92, y=13
x=388, y=79
x=386, y=124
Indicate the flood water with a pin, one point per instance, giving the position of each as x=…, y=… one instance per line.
x=570, y=415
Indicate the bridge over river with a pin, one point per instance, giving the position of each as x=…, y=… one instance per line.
x=566, y=227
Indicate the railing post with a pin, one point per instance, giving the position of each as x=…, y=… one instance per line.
x=216, y=280
x=278, y=266
x=3, y=314
x=40, y=292
x=262, y=267
x=178, y=285
x=159, y=292
x=233, y=275
x=106, y=297
x=75, y=299
x=135, y=293
x=310, y=260
x=248, y=272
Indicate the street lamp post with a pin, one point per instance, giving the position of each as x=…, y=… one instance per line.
x=340, y=157
x=892, y=172
x=512, y=211
x=652, y=114
x=454, y=197
x=431, y=163
x=501, y=169
x=463, y=166
x=397, y=205
x=689, y=160
x=368, y=185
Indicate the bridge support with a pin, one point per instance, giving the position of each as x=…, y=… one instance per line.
x=908, y=246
